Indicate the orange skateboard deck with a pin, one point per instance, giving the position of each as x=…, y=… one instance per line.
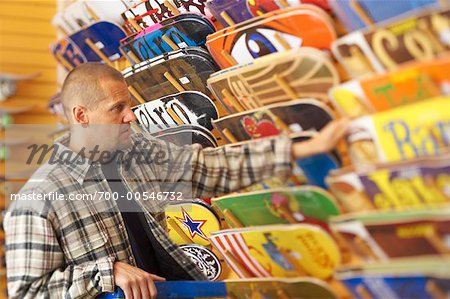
x=273, y=32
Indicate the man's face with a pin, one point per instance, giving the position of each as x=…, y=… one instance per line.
x=110, y=118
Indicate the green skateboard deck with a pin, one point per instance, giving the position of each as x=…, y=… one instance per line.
x=303, y=204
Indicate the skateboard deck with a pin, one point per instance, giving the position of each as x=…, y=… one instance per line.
x=18, y=77
x=132, y=27
x=407, y=132
x=410, y=286
x=413, y=184
x=190, y=68
x=290, y=117
x=187, y=135
x=195, y=17
x=13, y=143
x=317, y=167
x=186, y=32
x=303, y=204
x=373, y=11
x=189, y=107
x=296, y=179
x=16, y=109
x=237, y=10
x=196, y=220
x=397, y=234
x=55, y=106
x=10, y=144
x=75, y=50
x=205, y=259
x=73, y=18
x=67, y=53
x=414, y=82
x=241, y=10
x=305, y=288
x=78, y=16
x=383, y=48
x=5, y=152
x=6, y=120
x=278, y=251
x=111, y=10
x=418, y=278
x=284, y=76
x=273, y=32
x=8, y=83
x=151, y=12
x=81, y=14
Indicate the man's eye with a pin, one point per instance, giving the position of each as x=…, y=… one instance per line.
x=118, y=108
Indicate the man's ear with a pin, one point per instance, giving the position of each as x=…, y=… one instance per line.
x=79, y=114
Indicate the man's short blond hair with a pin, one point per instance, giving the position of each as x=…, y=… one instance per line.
x=82, y=85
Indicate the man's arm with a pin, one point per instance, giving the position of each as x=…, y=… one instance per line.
x=35, y=262
x=228, y=169
x=213, y=171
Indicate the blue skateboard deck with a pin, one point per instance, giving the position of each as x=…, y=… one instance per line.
x=316, y=168
x=185, y=289
x=105, y=36
x=377, y=10
x=305, y=287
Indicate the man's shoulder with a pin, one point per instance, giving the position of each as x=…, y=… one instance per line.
x=31, y=197
x=46, y=178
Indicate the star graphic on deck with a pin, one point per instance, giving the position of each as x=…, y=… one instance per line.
x=194, y=226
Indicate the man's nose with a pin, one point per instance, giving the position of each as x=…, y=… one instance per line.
x=129, y=116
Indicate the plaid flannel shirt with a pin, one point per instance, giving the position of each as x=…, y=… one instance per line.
x=66, y=249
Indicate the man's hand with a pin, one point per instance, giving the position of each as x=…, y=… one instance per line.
x=135, y=283
x=323, y=142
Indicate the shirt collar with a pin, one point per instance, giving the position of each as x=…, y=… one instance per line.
x=76, y=165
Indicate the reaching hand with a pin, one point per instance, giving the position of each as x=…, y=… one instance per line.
x=135, y=283
x=323, y=142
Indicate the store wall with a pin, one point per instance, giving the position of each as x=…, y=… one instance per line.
x=25, y=36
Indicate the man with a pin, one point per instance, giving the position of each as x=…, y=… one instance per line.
x=78, y=249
